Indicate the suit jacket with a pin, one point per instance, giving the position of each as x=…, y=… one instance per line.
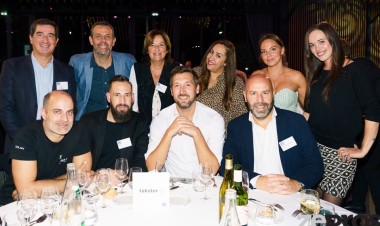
x=302, y=162
x=136, y=129
x=83, y=74
x=18, y=95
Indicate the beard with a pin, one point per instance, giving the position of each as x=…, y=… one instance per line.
x=184, y=105
x=261, y=115
x=121, y=116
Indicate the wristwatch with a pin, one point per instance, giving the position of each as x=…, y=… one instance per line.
x=302, y=186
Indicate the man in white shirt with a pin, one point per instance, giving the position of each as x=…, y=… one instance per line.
x=186, y=133
x=275, y=146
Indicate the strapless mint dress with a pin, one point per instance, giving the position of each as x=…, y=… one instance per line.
x=286, y=99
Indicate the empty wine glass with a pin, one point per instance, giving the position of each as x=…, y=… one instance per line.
x=121, y=171
x=27, y=204
x=103, y=181
x=131, y=172
x=206, y=176
x=82, y=179
x=49, y=201
x=310, y=202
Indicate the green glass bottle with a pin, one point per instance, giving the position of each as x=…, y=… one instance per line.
x=241, y=195
x=228, y=180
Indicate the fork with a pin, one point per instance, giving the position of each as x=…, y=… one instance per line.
x=274, y=204
x=213, y=180
x=296, y=212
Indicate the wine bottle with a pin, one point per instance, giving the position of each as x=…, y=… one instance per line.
x=230, y=215
x=241, y=195
x=226, y=184
x=72, y=211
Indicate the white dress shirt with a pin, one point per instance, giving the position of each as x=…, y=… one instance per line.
x=265, y=148
x=182, y=158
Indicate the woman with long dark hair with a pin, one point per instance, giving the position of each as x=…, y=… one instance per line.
x=339, y=95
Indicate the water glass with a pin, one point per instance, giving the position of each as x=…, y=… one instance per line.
x=103, y=181
x=27, y=204
x=206, y=176
x=121, y=171
x=265, y=214
x=197, y=184
x=91, y=210
x=50, y=199
x=9, y=220
x=131, y=172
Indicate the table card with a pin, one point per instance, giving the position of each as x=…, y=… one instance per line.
x=151, y=190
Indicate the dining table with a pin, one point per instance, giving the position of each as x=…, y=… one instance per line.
x=187, y=208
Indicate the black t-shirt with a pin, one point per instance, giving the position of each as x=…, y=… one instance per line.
x=338, y=122
x=111, y=151
x=31, y=143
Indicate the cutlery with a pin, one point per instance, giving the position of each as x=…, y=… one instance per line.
x=296, y=212
x=1, y=222
x=213, y=180
x=174, y=187
x=39, y=220
x=274, y=204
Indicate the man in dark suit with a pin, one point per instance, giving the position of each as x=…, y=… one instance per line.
x=117, y=132
x=275, y=146
x=24, y=81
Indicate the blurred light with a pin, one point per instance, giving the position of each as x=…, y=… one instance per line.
x=246, y=68
x=220, y=32
x=180, y=17
x=70, y=32
x=4, y=13
x=115, y=17
x=129, y=17
x=155, y=14
x=51, y=8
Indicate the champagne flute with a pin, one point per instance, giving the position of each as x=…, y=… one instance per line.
x=49, y=201
x=206, y=176
x=310, y=202
x=27, y=204
x=103, y=181
x=121, y=171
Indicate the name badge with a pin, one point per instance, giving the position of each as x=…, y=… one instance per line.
x=124, y=143
x=288, y=143
x=151, y=190
x=161, y=87
x=62, y=85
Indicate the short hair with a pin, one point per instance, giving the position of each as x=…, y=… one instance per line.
x=181, y=70
x=43, y=21
x=149, y=41
x=118, y=78
x=48, y=95
x=276, y=39
x=102, y=23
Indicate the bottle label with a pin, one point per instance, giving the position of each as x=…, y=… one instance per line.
x=238, y=175
x=242, y=212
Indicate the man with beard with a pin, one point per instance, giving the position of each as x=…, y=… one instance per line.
x=117, y=132
x=93, y=70
x=43, y=148
x=275, y=146
x=187, y=132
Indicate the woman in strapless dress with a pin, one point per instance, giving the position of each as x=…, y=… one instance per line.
x=289, y=85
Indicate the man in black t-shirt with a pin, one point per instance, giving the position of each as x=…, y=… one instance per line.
x=117, y=132
x=43, y=148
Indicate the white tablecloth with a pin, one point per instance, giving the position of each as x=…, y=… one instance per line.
x=198, y=212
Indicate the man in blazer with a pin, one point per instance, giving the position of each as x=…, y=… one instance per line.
x=93, y=70
x=117, y=132
x=275, y=146
x=24, y=81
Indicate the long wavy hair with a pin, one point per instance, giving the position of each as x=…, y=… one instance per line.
x=313, y=66
x=229, y=71
x=149, y=37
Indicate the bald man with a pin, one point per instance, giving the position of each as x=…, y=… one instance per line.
x=275, y=146
x=43, y=149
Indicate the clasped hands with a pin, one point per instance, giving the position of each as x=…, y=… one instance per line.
x=182, y=125
x=278, y=184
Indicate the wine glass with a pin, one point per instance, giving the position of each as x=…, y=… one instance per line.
x=49, y=201
x=131, y=172
x=121, y=171
x=245, y=180
x=103, y=181
x=82, y=179
x=27, y=204
x=206, y=176
x=310, y=202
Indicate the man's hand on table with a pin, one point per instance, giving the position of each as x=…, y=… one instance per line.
x=278, y=184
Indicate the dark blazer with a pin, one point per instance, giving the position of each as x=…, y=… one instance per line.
x=302, y=162
x=136, y=129
x=18, y=96
x=146, y=88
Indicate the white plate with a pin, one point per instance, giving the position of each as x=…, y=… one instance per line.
x=174, y=200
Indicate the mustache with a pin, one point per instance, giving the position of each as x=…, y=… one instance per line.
x=121, y=105
x=183, y=95
x=261, y=105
